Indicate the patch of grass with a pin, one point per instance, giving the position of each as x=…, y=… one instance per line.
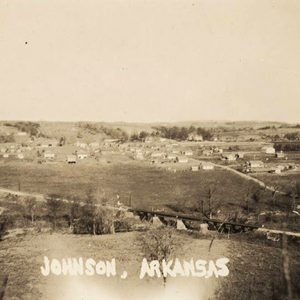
x=256, y=269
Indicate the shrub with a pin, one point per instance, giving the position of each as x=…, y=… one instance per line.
x=3, y=226
x=94, y=220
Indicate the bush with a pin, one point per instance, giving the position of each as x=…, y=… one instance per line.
x=94, y=220
x=3, y=226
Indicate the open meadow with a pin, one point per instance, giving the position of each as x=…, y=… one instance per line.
x=146, y=186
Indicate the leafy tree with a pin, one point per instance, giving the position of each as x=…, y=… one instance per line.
x=54, y=205
x=292, y=136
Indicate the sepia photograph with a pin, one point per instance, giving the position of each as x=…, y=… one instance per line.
x=150, y=149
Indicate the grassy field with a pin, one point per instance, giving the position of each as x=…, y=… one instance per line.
x=146, y=185
x=22, y=256
x=285, y=181
x=255, y=267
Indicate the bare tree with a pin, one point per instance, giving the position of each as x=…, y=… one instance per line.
x=274, y=191
x=212, y=204
x=158, y=244
x=31, y=206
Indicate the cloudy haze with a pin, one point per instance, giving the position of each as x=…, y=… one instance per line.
x=150, y=60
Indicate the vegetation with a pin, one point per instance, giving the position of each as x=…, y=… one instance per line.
x=182, y=133
x=3, y=226
x=158, y=244
x=7, y=138
x=31, y=128
x=115, y=133
x=141, y=137
x=292, y=136
x=287, y=146
x=54, y=204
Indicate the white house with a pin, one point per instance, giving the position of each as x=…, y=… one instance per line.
x=240, y=155
x=20, y=156
x=21, y=133
x=157, y=154
x=269, y=149
x=195, y=137
x=80, y=144
x=207, y=152
x=207, y=166
x=49, y=155
x=82, y=155
x=48, y=143
x=280, y=154
x=94, y=145
x=171, y=156
x=71, y=159
x=256, y=164
x=139, y=156
x=183, y=159
x=188, y=152
x=229, y=156
x=5, y=155
x=195, y=168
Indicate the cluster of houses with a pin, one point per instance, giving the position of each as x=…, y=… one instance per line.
x=257, y=166
x=156, y=152
x=49, y=150
x=203, y=166
x=174, y=156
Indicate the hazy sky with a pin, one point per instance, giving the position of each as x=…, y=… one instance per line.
x=150, y=60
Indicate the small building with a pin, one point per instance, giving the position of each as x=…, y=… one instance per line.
x=182, y=159
x=192, y=137
x=22, y=133
x=256, y=164
x=52, y=143
x=188, y=152
x=149, y=139
x=94, y=145
x=171, y=157
x=80, y=145
x=207, y=152
x=82, y=155
x=139, y=156
x=229, y=156
x=195, y=168
x=49, y=155
x=71, y=159
x=157, y=154
x=269, y=149
x=20, y=156
x=5, y=155
x=280, y=155
x=207, y=166
x=240, y=155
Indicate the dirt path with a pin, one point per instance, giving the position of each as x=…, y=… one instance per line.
x=246, y=177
